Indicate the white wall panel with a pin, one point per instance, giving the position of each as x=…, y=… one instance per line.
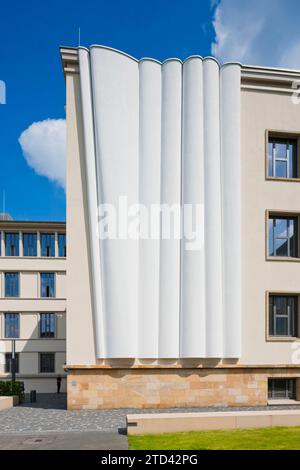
x=192, y=320
x=170, y=194
x=115, y=83
x=170, y=134
x=149, y=193
x=213, y=218
x=93, y=199
x=231, y=186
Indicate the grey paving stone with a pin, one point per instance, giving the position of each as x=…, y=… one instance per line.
x=49, y=414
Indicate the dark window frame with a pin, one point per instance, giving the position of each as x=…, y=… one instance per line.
x=10, y=285
x=29, y=249
x=291, y=168
x=8, y=358
x=47, y=286
x=47, y=325
x=44, y=367
x=62, y=250
x=292, y=242
x=12, y=331
x=47, y=246
x=291, y=315
x=287, y=392
x=12, y=243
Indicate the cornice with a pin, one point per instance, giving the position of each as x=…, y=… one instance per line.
x=180, y=366
x=267, y=79
x=32, y=225
x=256, y=78
x=70, y=59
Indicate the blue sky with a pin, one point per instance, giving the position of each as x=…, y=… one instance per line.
x=30, y=35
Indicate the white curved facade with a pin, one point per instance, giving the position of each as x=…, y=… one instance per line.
x=164, y=134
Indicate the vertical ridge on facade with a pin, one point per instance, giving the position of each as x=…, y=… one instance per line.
x=213, y=218
x=93, y=201
x=230, y=80
x=193, y=261
x=169, y=306
x=150, y=100
x=116, y=107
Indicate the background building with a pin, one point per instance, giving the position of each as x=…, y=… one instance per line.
x=151, y=323
x=33, y=302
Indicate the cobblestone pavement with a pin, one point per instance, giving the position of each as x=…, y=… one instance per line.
x=49, y=414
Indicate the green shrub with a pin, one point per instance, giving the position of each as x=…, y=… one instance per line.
x=9, y=388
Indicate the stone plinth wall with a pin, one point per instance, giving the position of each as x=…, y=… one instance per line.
x=164, y=388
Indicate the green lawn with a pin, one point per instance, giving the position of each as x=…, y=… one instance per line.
x=240, y=439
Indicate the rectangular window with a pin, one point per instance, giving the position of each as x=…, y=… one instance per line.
x=12, y=325
x=282, y=158
x=8, y=363
x=11, y=284
x=47, y=285
x=11, y=244
x=47, y=325
x=283, y=315
x=282, y=389
x=47, y=362
x=47, y=244
x=283, y=236
x=62, y=249
x=29, y=244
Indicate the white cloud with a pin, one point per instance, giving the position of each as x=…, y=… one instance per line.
x=257, y=32
x=291, y=57
x=44, y=147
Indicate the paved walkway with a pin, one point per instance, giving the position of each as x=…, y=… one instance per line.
x=49, y=414
x=64, y=441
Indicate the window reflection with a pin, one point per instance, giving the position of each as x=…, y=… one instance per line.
x=282, y=236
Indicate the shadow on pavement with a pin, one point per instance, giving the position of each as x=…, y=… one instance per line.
x=47, y=401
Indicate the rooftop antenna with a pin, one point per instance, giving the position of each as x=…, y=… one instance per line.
x=79, y=37
x=3, y=201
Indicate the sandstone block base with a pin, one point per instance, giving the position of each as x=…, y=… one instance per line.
x=168, y=388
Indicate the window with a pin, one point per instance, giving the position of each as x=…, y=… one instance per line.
x=62, y=249
x=282, y=389
x=283, y=236
x=29, y=244
x=47, y=325
x=47, y=285
x=283, y=315
x=47, y=362
x=12, y=325
x=282, y=158
x=8, y=362
x=47, y=244
x=11, y=244
x=11, y=284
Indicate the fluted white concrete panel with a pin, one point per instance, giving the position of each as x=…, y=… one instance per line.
x=170, y=194
x=115, y=84
x=92, y=198
x=192, y=320
x=213, y=217
x=164, y=134
x=231, y=197
x=149, y=193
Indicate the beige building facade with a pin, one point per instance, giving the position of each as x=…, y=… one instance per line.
x=240, y=345
x=33, y=303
